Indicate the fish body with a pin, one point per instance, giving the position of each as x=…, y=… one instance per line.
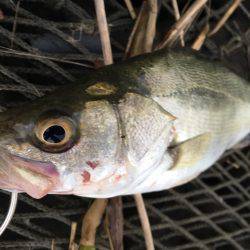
x=151, y=123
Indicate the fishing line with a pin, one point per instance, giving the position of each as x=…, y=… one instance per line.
x=11, y=211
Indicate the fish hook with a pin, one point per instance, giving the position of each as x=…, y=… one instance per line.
x=11, y=211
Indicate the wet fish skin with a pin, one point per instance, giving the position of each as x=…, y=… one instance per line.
x=151, y=123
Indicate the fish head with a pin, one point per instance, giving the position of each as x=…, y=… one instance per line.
x=58, y=144
x=81, y=144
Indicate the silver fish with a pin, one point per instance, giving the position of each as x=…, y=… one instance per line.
x=151, y=123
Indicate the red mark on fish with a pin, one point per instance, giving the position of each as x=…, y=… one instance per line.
x=93, y=164
x=85, y=176
x=173, y=129
x=118, y=177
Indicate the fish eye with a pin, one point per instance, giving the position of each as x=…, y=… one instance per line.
x=55, y=134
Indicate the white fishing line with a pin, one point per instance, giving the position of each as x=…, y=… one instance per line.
x=11, y=211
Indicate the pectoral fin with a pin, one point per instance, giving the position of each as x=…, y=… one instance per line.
x=190, y=152
x=187, y=159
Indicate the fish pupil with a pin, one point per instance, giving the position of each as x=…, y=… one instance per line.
x=54, y=134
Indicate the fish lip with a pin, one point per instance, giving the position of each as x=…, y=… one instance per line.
x=50, y=169
x=36, y=178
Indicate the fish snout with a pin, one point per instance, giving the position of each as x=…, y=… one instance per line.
x=36, y=178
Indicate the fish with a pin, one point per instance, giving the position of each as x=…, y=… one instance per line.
x=150, y=123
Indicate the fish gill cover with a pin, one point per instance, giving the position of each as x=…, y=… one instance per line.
x=45, y=44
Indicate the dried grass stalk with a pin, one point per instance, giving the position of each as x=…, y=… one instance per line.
x=144, y=221
x=182, y=23
x=201, y=38
x=52, y=245
x=104, y=32
x=91, y=221
x=225, y=17
x=114, y=223
x=93, y=217
x=177, y=17
x=130, y=9
x=14, y=24
x=143, y=33
x=141, y=41
x=72, y=236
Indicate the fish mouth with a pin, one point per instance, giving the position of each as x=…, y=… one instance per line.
x=36, y=178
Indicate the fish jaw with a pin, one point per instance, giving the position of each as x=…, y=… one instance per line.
x=36, y=178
